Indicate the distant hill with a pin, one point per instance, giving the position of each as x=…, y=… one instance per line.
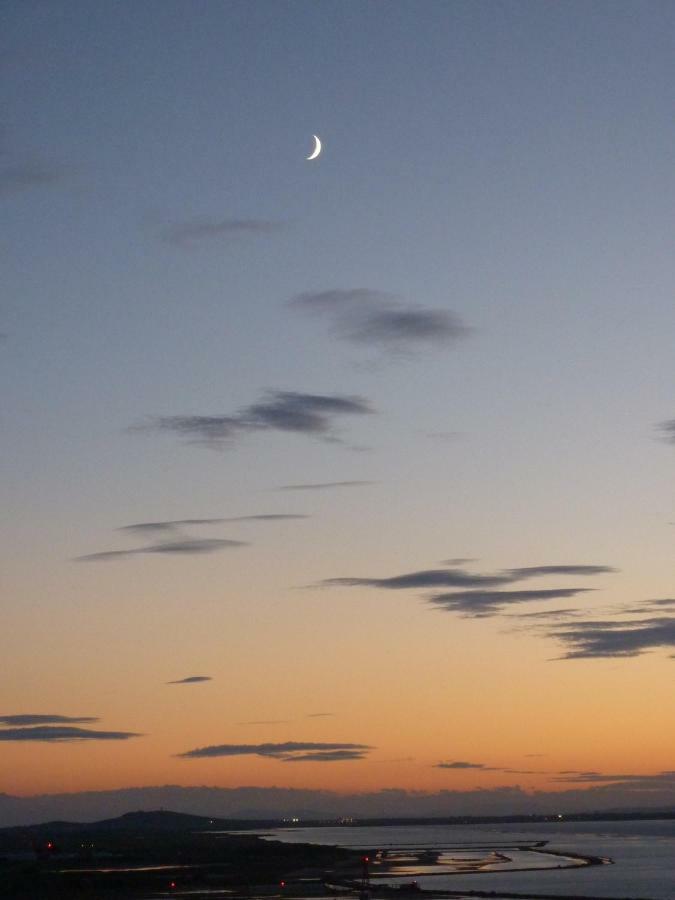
x=253, y=806
x=140, y=820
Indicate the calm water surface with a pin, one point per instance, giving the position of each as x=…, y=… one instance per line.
x=643, y=854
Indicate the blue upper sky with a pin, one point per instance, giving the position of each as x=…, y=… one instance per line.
x=496, y=186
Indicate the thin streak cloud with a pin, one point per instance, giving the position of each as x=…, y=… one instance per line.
x=323, y=485
x=192, y=679
x=52, y=734
x=185, y=547
x=45, y=719
x=173, y=525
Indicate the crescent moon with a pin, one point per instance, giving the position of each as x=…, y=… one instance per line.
x=317, y=148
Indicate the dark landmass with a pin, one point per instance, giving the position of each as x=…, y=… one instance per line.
x=143, y=855
x=146, y=854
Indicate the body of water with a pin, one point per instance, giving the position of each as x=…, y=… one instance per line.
x=643, y=853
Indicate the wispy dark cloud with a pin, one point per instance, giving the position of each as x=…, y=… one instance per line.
x=62, y=734
x=544, y=571
x=479, y=604
x=319, y=715
x=460, y=578
x=660, y=606
x=183, y=547
x=608, y=778
x=611, y=638
x=187, y=234
x=45, y=719
x=476, y=594
x=323, y=485
x=192, y=679
x=289, y=751
x=327, y=756
x=548, y=614
x=424, y=578
x=173, y=525
x=23, y=176
x=288, y=411
x=380, y=319
x=667, y=430
x=481, y=767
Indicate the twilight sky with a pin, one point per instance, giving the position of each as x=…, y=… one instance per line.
x=361, y=464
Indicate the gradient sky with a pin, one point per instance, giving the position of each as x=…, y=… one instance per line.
x=463, y=307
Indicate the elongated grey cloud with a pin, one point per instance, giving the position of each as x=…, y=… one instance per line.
x=481, y=767
x=63, y=733
x=192, y=679
x=269, y=517
x=460, y=578
x=543, y=571
x=323, y=485
x=319, y=715
x=309, y=414
x=23, y=176
x=598, y=638
x=172, y=525
x=45, y=719
x=185, y=234
x=184, y=547
x=534, y=619
x=667, y=430
x=659, y=607
x=327, y=756
x=479, y=604
x=424, y=578
x=475, y=594
x=376, y=318
x=607, y=778
x=288, y=751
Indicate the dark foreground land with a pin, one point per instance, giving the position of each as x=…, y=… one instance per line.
x=153, y=855
x=145, y=854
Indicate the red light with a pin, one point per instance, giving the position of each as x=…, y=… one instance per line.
x=173, y=884
x=49, y=845
x=282, y=884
